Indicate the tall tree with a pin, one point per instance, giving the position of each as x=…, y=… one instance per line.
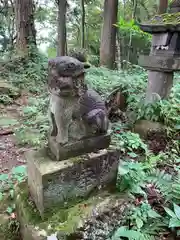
x=26, y=33
x=62, y=42
x=108, y=35
x=83, y=24
x=163, y=4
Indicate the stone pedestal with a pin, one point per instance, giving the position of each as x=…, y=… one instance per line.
x=77, y=148
x=87, y=218
x=58, y=182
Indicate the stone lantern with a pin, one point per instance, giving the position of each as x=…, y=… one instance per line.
x=164, y=57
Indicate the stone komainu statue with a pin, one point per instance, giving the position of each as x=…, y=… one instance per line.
x=69, y=95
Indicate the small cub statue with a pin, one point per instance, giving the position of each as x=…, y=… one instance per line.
x=93, y=112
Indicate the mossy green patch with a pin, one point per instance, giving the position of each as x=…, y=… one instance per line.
x=63, y=220
x=166, y=18
x=9, y=228
x=25, y=205
x=77, y=159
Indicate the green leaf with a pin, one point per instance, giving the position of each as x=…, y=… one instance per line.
x=3, y=177
x=130, y=234
x=174, y=222
x=170, y=212
x=153, y=214
x=122, y=170
x=139, y=222
x=9, y=210
x=133, y=155
x=19, y=170
x=138, y=190
x=1, y=196
x=177, y=210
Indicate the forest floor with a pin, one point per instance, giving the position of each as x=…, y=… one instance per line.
x=11, y=154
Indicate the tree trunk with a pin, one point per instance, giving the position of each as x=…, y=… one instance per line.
x=83, y=24
x=26, y=33
x=163, y=4
x=118, y=53
x=108, y=35
x=62, y=44
x=130, y=37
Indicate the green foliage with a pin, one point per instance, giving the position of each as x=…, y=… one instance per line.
x=133, y=83
x=7, y=190
x=174, y=220
x=8, y=181
x=35, y=123
x=133, y=41
x=131, y=176
x=132, y=28
x=130, y=234
x=141, y=214
x=26, y=73
x=128, y=142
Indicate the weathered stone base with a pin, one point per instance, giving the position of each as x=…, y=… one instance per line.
x=87, y=218
x=77, y=148
x=51, y=183
x=160, y=63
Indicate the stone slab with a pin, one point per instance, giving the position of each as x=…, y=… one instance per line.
x=51, y=183
x=83, y=219
x=58, y=152
x=159, y=63
x=159, y=28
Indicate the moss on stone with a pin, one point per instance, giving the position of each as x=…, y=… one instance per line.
x=25, y=205
x=165, y=19
x=77, y=159
x=9, y=228
x=62, y=220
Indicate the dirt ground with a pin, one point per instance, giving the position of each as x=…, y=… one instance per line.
x=11, y=154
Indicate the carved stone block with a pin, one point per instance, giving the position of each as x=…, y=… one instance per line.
x=160, y=39
x=51, y=183
x=76, y=148
x=166, y=44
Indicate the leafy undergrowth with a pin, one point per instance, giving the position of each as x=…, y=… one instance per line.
x=150, y=176
x=9, y=225
x=153, y=181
